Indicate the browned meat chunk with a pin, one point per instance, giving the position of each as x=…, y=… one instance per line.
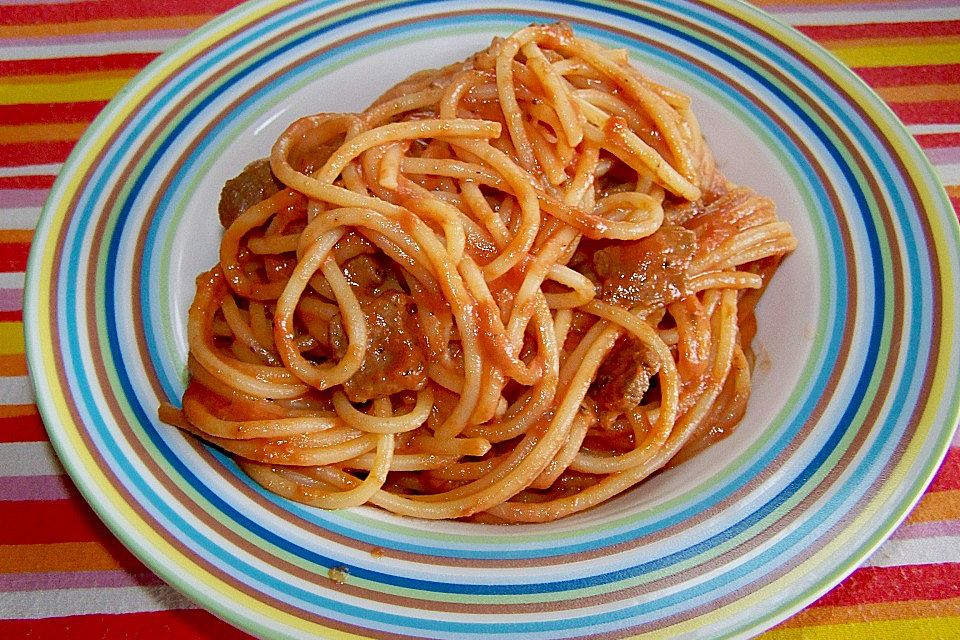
x=365, y=273
x=624, y=377
x=395, y=359
x=255, y=184
x=651, y=271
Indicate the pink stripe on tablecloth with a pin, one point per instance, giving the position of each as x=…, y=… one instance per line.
x=931, y=529
x=943, y=155
x=75, y=580
x=11, y=299
x=54, y=487
x=22, y=197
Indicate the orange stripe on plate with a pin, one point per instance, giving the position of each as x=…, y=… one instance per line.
x=61, y=556
x=935, y=506
x=177, y=23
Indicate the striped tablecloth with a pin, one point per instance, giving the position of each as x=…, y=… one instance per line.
x=62, y=574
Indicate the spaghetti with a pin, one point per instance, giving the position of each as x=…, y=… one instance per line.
x=508, y=290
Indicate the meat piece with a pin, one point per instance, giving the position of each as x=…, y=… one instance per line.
x=255, y=184
x=623, y=377
x=307, y=158
x=365, y=273
x=650, y=272
x=394, y=360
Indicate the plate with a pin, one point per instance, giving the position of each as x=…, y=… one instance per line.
x=854, y=399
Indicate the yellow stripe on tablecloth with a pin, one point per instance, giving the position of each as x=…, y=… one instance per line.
x=931, y=628
x=11, y=338
x=877, y=53
x=78, y=87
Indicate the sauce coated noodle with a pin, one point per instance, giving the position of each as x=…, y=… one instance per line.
x=508, y=290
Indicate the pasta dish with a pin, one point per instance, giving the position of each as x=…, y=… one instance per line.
x=507, y=291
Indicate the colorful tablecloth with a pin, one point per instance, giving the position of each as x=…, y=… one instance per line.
x=62, y=574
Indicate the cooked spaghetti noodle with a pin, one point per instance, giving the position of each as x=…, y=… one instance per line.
x=508, y=290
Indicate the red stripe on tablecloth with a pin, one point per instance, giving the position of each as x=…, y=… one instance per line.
x=13, y=256
x=26, y=428
x=881, y=30
x=36, y=152
x=933, y=112
x=44, y=113
x=184, y=624
x=48, y=521
x=80, y=64
x=894, y=76
x=12, y=315
x=110, y=9
x=939, y=140
x=939, y=156
x=27, y=182
x=948, y=477
x=891, y=584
